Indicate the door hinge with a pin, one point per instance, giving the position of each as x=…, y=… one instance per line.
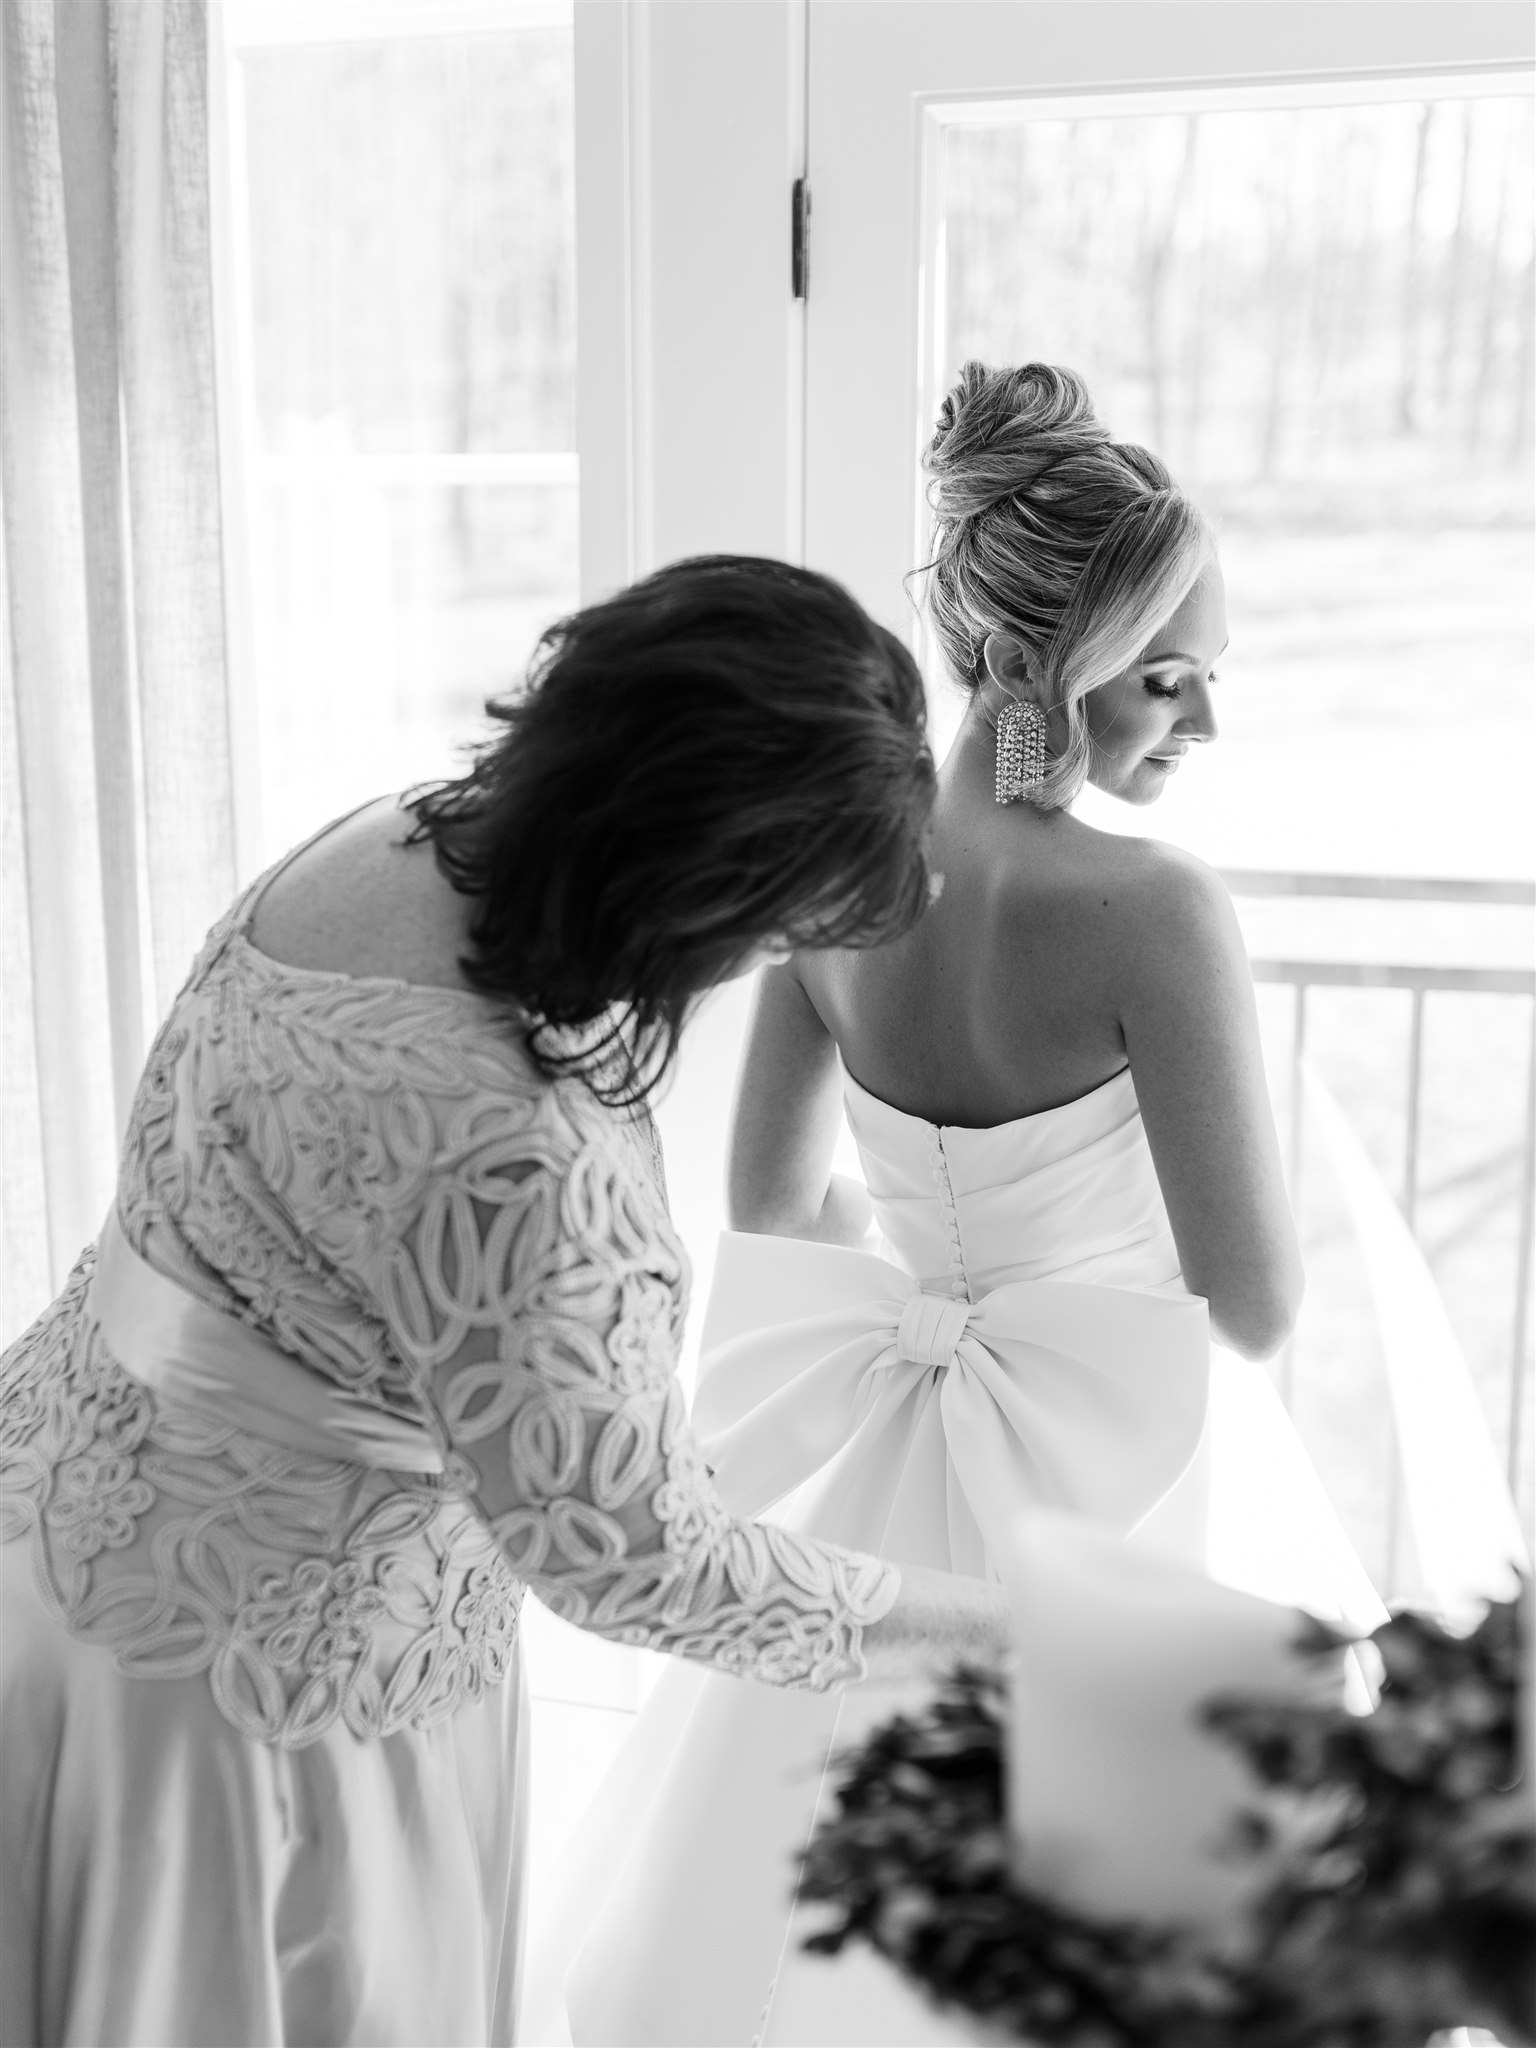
x=799, y=237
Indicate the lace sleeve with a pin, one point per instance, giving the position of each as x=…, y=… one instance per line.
x=541, y=1294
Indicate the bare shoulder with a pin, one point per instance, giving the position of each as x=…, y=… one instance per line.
x=1082, y=869
x=362, y=901
x=1169, y=919
x=1167, y=886
x=1123, y=909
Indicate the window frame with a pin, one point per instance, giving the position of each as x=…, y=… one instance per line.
x=875, y=195
x=677, y=358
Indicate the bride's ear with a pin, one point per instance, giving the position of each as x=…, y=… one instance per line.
x=1010, y=666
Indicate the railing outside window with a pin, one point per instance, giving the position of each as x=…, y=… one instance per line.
x=1420, y=983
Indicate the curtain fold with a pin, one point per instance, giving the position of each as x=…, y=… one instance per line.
x=116, y=779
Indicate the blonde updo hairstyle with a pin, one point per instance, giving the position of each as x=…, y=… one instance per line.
x=1047, y=529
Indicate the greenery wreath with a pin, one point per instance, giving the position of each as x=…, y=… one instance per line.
x=1404, y=1904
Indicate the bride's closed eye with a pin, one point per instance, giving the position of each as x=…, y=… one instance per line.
x=1157, y=687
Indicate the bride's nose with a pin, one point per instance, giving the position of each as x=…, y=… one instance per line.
x=1198, y=724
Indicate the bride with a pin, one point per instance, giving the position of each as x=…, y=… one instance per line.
x=1056, y=1089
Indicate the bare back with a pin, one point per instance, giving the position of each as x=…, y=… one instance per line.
x=1006, y=999
x=1055, y=957
x=1012, y=994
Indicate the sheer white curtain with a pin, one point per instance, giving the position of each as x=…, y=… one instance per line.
x=116, y=797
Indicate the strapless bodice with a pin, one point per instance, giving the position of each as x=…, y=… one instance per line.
x=1067, y=1194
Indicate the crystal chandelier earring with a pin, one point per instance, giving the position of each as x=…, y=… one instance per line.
x=1020, y=751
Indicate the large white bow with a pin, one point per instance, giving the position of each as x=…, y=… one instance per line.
x=950, y=1414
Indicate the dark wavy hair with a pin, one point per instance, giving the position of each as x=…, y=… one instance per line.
x=728, y=754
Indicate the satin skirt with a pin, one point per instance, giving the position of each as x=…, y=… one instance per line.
x=672, y=1921
x=166, y=1882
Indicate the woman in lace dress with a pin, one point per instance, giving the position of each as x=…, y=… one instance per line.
x=1055, y=1088
x=381, y=1331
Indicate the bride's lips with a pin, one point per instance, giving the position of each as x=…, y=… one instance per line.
x=1167, y=762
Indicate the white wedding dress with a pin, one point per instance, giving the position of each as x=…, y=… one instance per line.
x=1022, y=1337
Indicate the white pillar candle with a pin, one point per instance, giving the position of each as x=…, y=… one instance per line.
x=1119, y=1797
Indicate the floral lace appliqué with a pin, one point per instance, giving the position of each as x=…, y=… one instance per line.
x=374, y=1177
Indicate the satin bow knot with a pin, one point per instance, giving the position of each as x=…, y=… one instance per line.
x=931, y=1327
x=818, y=1363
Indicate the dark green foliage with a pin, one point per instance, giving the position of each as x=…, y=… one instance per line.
x=1402, y=1858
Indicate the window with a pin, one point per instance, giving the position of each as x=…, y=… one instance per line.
x=1321, y=317
x=403, y=273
